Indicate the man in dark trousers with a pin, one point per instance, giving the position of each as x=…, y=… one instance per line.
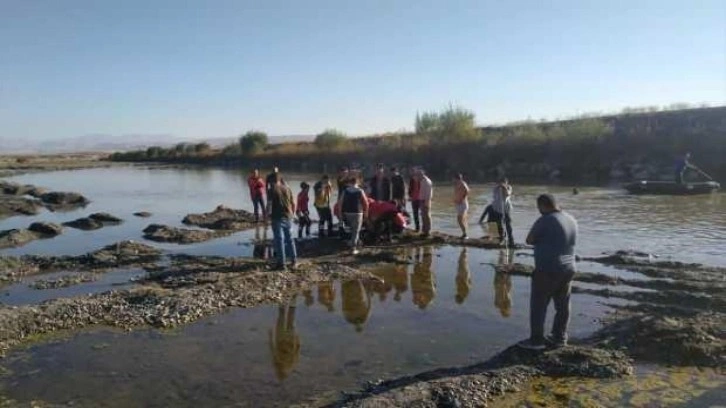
x=380, y=185
x=398, y=188
x=553, y=236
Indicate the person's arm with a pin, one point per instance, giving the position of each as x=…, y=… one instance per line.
x=364, y=203
x=534, y=233
x=485, y=214
x=293, y=207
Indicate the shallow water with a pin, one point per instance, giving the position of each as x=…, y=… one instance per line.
x=426, y=315
x=691, y=229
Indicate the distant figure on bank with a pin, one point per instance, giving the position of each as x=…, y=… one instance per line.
x=282, y=210
x=502, y=205
x=683, y=165
x=353, y=207
x=322, y=190
x=303, y=211
x=380, y=185
x=398, y=188
x=427, y=195
x=461, y=202
x=414, y=195
x=554, y=236
x=270, y=181
x=257, y=193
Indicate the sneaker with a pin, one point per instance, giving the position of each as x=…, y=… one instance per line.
x=279, y=268
x=530, y=344
x=555, y=342
x=356, y=252
x=464, y=236
x=294, y=265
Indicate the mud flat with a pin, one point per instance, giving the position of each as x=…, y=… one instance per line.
x=15, y=165
x=165, y=233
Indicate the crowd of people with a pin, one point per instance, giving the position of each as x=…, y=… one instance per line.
x=379, y=205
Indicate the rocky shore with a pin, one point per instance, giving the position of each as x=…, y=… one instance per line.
x=19, y=199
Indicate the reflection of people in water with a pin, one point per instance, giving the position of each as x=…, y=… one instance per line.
x=463, y=277
x=422, y=279
x=309, y=299
x=399, y=279
x=384, y=285
x=326, y=295
x=356, y=303
x=503, y=284
x=284, y=341
x=261, y=249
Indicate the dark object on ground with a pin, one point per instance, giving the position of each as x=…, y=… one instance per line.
x=671, y=188
x=164, y=233
x=93, y=221
x=64, y=199
x=46, y=228
x=142, y=214
x=222, y=218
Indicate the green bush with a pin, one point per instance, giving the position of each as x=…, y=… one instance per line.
x=253, y=142
x=451, y=125
x=330, y=138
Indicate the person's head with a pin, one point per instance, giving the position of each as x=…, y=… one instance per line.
x=304, y=186
x=351, y=181
x=256, y=172
x=546, y=204
x=343, y=170
x=394, y=170
x=688, y=155
x=381, y=168
x=325, y=177
x=275, y=170
x=503, y=181
x=459, y=177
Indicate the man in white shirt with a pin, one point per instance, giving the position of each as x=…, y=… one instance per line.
x=502, y=205
x=426, y=195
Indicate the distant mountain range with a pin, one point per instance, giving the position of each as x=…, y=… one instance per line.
x=111, y=143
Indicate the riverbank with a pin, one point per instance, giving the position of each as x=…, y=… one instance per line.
x=15, y=165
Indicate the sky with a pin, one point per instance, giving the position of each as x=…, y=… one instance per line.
x=217, y=68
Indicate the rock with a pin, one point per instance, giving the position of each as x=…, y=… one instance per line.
x=222, y=218
x=16, y=189
x=13, y=205
x=46, y=228
x=164, y=233
x=56, y=199
x=16, y=237
x=142, y=214
x=105, y=218
x=86, y=224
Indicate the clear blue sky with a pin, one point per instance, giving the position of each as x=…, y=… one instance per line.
x=199, y=69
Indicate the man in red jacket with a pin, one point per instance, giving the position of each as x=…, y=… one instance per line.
x=257, y=193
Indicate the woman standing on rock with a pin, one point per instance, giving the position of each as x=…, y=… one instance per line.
x=257, y=192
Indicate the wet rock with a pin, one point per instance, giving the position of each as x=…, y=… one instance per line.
x=11, y=188
x=222, y=218
x=62, y=281
x=86, y=224
x=61, y=201
x=124, y=253
x=12, y=269
x=164, y=233
x=142, y=214
x=93, y=221
x=105, y=218
x=46, y=228
x=13, y=205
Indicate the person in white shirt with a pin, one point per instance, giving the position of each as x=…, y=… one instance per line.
x=502, y=205
x=426, y=195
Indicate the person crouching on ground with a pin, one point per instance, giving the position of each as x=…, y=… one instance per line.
x=554, y=236
x=384, y=220
x=322, y=191
x=303, y=212
x=282, y=210
x=353, y=205
x=461, y=201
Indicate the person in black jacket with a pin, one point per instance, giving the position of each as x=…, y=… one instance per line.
x=398, y=188
x=380, y=185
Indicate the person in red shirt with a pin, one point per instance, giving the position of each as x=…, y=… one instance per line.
x=303, y=212
x=385, y=219
x=257, y=194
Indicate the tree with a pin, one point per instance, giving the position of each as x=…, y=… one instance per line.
x=202, y=147
x=253, y=142
x=451, y=125
x=330, y=138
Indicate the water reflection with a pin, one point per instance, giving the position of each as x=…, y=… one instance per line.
x=261, y=249
x=356, y=303
x=422, y=279
x=503, y=284
x=463, y=277
x=284, y=341
x=326, y=295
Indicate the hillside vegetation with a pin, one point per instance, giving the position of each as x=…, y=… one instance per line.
x=593, y=150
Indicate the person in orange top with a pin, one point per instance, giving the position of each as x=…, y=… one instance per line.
x=257, y=193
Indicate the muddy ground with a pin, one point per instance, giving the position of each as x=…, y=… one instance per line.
x=676, y=314
x=14, y=165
